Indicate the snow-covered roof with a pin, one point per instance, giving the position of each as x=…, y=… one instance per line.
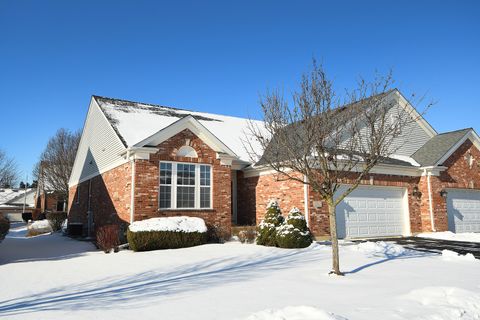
x=15, y=196
x=135, y=121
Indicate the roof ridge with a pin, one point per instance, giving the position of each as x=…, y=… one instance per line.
x=454, y=131
x=138, y=102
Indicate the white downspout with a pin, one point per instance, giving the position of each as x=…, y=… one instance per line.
x=430, y=202
x=132, y=187
x=305, y=199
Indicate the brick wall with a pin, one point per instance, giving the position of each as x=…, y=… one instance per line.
x=254, y=193
x=110, y=198
x=147, y=180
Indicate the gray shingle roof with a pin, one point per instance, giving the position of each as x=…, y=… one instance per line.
x=432, y=151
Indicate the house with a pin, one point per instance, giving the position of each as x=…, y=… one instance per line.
x=47, y=198
x=15, y=201
x=138, y=160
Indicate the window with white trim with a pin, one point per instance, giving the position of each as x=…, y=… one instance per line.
x=185, y=186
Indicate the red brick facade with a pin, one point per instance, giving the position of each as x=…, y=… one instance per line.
x=110, y=192
x=254, y=193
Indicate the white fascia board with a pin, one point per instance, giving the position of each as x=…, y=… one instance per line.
x=81, y=138
x=93, y=104
x=378, y=169
x=420, y=119
x=188, y=122
x=472, y=135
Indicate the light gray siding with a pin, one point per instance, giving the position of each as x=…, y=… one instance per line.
x=99, y=148
x=414, y=136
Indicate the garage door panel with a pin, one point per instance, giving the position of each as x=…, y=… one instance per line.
x=371, y=212
x=463, y=207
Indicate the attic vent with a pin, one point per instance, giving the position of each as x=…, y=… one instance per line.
x=187, y=151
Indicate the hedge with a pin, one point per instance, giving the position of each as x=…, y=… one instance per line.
x=154, y=240
x=56, y=219
x=4, y=227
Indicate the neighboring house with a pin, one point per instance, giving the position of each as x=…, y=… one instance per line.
x=138, y=161
x=12, y=202
x=47, y=199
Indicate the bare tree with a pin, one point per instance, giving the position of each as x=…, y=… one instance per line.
x=327, y=140
x=56, y=162
x=8, y=170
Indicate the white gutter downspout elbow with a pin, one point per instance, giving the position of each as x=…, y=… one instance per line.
x=305, y=199
x=132, y=187
x=430, y=202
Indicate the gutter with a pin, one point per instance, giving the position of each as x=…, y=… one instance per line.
x=305, y=199
x=132, y=187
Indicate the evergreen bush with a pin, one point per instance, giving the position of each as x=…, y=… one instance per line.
x=294, y=233
x=267, y=229
x=4, y=227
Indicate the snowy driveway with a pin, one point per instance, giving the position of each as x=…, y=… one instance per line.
x=437, y=245
x=53, y=277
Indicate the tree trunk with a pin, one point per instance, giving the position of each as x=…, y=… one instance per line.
x=333, y=235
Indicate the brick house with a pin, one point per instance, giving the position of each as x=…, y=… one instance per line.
x=137, y=161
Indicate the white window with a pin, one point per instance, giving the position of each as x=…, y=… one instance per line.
x=185, y=186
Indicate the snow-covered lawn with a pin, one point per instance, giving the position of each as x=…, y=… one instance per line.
x=448, y=235
x=53, y=277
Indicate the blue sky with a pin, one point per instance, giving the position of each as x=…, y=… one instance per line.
x=218, y=56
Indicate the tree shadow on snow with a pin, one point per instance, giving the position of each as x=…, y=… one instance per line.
x=16, y=247
x=137, y=289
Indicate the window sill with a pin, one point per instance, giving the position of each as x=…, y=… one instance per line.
x=188, y=209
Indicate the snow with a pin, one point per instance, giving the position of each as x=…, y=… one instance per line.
x=55, y=277
x=294, y=313
x=137, y=121
x=40, y=226
x=405, y=159
x=380, y=248
x=272, y=203
x=448, y=235
x=15, y=196
x=177, y=224
x=454, y=256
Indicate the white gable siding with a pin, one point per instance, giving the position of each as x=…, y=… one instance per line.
x=99, y=148
x=414, y=136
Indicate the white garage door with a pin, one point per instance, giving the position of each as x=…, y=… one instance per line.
x=371, y=212
x=463, y=207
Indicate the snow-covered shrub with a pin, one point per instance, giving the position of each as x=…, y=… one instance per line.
x=38, y=227
x=294, y=233
x=166, y=233
x=4, y=227
x=108, y=237
x=247, y=235
x=267, y=229
x=56, y=219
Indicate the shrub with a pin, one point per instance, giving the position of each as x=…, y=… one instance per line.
x=154, y=240
x=56, y=219
x=267, y=229
x=216, y=234
x=247, y=235
x=166, y=233
x=27, y=216
x=4, y=227
x=108, y=237
x=294, y=232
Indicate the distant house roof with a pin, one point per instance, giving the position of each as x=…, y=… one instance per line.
x=135, y=121
x=433, y=151
x=15, y=197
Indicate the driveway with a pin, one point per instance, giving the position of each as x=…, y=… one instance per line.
x=436, y=245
